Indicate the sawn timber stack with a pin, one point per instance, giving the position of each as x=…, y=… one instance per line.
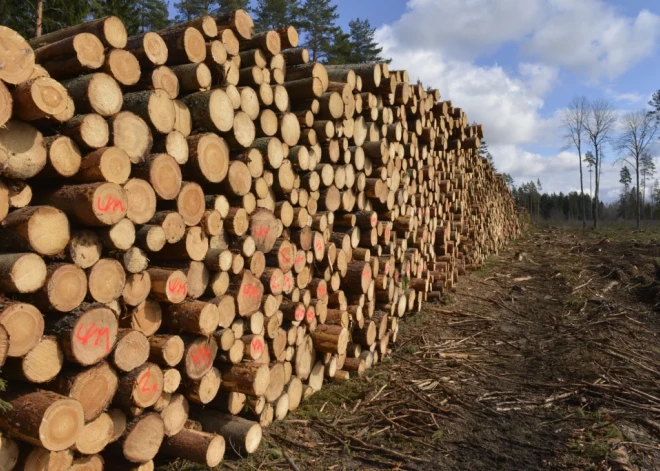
x=200, y=227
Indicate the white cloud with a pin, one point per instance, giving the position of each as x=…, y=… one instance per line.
x=463, y=28
x=592, y=38
x=630, y=97
x=508, y=105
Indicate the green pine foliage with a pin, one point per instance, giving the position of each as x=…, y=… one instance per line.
x=318, y=22
x=273, y=14
x=189, y=9
x=364, y=47
x=21, y=15
x=227, y=6
x=152, y=15
x=341, y=51
x=138, y=16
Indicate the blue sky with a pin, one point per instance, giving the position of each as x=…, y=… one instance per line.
x=513, y=65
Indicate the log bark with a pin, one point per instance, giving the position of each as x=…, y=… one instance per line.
x=242, y=436
x=200, y=447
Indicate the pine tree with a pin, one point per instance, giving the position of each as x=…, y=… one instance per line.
x=646, y=170
x=341, y=50
x=485, y=153
x=126, y=10
x=21, y=15
x=227, y=6
x=189, y=9
x=273, y=14
x=624, y=178
x=508, y=179
x=654, y=103
x=318, y=21
x=152, y=15
x=365, y=48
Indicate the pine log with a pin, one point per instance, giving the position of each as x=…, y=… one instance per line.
x=17, y=55
x=166, y=350
x=95, y=435
x=24, y=150
x=110, y=30
x=21, y=272
x=87, y=335
x=175, y=415
x=200, y=447
x=131, y=133
x=131, y=350
x=122, y=66
x=185, y=45
x=95, y=93
x=140, y=387
x=149, y=48
x=39, y=98
x=42, y=418
x=142, y=438
x=40, y=365
x=169, y=286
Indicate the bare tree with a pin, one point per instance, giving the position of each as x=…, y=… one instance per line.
x=574, y=119
x=599, y=124
x=639, y=130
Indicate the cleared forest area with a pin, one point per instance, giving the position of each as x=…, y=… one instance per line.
x=545, y=359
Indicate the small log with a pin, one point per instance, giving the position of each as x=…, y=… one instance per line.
x=241, y=435
x=195, y=317
x=130, y=132
x=19, y=57
x=141, y=387
x=131, y=350
x=95, y=93
x=248, y=378
x=42, y=229
x=142, y=438
x=203, y=390
x=95, y=435
x=200, y=352
x=200, y=447
x=175, y=415
x=40, y=365
x=149, y=49
x=27, y=148
x=166, y=350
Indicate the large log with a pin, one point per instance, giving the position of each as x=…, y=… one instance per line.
x=42, y=418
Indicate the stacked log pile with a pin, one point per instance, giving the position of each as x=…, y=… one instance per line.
x=200, y=228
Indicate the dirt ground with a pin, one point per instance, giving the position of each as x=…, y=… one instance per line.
x=547, y=358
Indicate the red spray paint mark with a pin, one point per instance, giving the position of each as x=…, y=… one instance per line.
x=261, y=231
x=143, y=382
x=92, y=330
x=284, y=253
x=111, y=205
x=201, y=354
x=176, y=287
x=257, y=346
x=251, y=292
